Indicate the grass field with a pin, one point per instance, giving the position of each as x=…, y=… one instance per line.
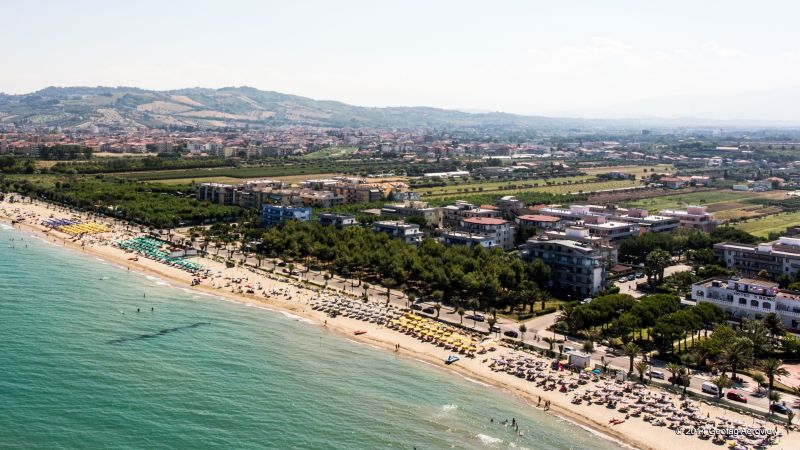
x=762, y=226
x=310, y=171
x=718, y=201
x=638, y=170
x=332, y=152
x=539, y=185
x=290, y=179
x=560, y=189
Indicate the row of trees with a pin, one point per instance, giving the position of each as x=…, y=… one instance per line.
x=477, y=278
x=157, y=205
x=700, y=243
x=622, y=317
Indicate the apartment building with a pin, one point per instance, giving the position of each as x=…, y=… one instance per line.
x=339, y=221
x=481, y=231
x=538, y=222
x=219, y=193
x=576, y=268
x=781, y=257
x=507, y=204
x=750, y=298
x=694, y=217
x=453, y=214
x=610, y=230
x=432, y=216
x=272, y=215
x=398, y=229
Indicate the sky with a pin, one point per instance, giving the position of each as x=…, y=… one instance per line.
x=713, y=59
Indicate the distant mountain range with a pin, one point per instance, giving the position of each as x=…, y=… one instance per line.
x=245, y=106
x=233, y=107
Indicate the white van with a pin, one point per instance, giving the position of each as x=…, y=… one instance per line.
x=657, y=374
x=710, y=388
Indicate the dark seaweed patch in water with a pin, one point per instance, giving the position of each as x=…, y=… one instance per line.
x=160, y=333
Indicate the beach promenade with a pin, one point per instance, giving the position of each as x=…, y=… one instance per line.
x=493, y=368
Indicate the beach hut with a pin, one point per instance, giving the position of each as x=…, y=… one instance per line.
x=579, y=359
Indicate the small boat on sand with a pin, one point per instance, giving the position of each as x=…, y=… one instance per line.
x=358, y=332
x=451, y=359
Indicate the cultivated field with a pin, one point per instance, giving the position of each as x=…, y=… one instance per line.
x=726, y=204
x=762, y=226
x=290, y=179
x=530, y=186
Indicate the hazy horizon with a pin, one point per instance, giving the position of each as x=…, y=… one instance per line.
x=716, y=60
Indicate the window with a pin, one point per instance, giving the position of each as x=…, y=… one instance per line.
x=766, y=305
x=754, y=303
x=742, y=301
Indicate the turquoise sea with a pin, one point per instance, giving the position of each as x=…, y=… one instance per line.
x=80, y=368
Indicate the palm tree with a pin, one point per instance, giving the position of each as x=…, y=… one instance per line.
x=641, y=366
x=673, y=368
x=491, y=321
x=461, y=312
x=773, y=324
x=522, y=330
x=759, y=378
x=721, y=382
x=739, y=352
x=631, y=350
x=366, y=292
x=772, y=368
x=473, y=305
x=550, y=341
x=683, y=374
x=410, y=298
x=773, y=397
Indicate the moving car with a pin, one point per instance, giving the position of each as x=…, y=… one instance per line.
x=657, y=374
x=416, y=306
x=780, y=408
x=429, y=310
x=495, y=329
x=511, y=333
x=710, y=388
x=736, y=396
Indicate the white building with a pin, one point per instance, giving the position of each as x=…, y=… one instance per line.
x=397, y=229
x=750, y=298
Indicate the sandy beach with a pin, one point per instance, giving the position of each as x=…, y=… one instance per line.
x=292, y=297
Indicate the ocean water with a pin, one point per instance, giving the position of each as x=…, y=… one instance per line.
x=80, y=368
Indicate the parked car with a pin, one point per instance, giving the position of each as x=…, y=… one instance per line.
x=736, y=396
x=631, y=277
x=511, y=333
x=429, y=310
x=639, y=274
x=779, y=408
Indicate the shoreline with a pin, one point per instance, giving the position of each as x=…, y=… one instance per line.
x=634, y=434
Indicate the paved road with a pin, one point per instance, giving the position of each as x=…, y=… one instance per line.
x=629, y=287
